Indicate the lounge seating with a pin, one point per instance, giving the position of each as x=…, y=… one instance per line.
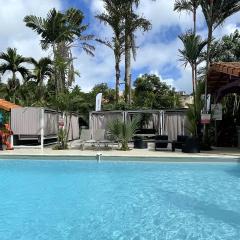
x=161, y=141
x=101, y=138
x=86, y=138
x=148, y=133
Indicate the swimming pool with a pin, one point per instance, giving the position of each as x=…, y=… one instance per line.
x=76, y=200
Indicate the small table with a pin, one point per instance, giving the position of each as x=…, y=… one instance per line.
x=167, y=141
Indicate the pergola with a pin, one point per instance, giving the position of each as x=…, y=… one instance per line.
x=7, y=106
x=223, y=78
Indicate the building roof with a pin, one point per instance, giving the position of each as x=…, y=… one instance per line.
x=223, y=74
x=7, y=106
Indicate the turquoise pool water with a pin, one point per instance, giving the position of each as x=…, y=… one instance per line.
x=72, y=200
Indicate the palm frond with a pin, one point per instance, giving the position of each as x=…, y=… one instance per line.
x=183, y=5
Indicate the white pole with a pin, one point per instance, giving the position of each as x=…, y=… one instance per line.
x=10, y=123
x=42, y=128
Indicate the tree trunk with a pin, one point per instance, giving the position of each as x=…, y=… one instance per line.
x=117, y=69
x=195, y=31
x=207, y=66
x=14, y=87
x=210, y=33
x=127, y=68
x=194, y=20
x=194, y=97
x=55, y=69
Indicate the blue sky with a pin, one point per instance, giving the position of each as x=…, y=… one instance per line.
x=158, y=48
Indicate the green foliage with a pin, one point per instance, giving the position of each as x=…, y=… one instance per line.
x=226, y=49
x=217, y=11
x=194, y=110
x=192, y=48
x=61, y=30
x=123, y=132
x=151, y=93
x=13, y=62
x=62, y=140
x=186, y=5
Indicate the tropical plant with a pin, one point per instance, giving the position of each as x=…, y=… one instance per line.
x=61, y=31
x=189, y=6
x=122, y=131
x=13, y=62
x=191, y=53
x=62, y=140
x=194, y=111
x=113, y=17
x=132, y=22
x=42, y=71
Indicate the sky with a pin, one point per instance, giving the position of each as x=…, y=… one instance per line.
x=157, y=49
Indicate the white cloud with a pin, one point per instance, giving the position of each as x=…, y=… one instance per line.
x=158, y=48
x=14, y=33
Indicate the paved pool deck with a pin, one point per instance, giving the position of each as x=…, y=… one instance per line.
x=218, y=154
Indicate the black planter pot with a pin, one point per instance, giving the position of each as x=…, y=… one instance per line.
x=139, y=143
x=191, y=145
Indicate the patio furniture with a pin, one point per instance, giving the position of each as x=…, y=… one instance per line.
x=101, y=138
x=147, y=133
x=85, y=138
x=161, y=142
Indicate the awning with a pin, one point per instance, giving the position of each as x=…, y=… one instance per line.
x=7, y=106
x=223, y=78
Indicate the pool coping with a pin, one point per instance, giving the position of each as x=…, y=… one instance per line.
x=164, y=159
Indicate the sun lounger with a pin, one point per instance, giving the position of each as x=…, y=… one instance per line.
x=101, y=138
x=85, y=138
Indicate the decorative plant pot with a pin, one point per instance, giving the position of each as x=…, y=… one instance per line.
x=191, y=145
x=139, y=143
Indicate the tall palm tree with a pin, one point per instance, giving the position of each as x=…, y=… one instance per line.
x=13, y=62
x=42, y=70
x=189, y=6
x=215, y=13
x=113, y=18
x=61, y=31
x=132, y=22
x=191, y=53
x=193, y=46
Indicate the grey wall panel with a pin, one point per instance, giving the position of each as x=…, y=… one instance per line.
x=72, y=126
x=50, y=123
x=26, y=121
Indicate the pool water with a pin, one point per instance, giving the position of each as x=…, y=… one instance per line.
x=76, y=200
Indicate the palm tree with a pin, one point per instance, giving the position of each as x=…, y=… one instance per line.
x=13, y=62
x=193, y=46
x=189, y=6
x=42, y=71
x=61, y=31
x=113, y=18
x=132, y=22
x=215, y=13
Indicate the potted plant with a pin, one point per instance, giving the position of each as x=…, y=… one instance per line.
x=123, y=131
